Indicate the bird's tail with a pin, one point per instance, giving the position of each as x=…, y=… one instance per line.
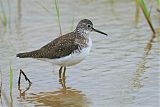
x=32, y=54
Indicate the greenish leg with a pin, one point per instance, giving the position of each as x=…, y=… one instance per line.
x=60, y=72
x=64, y=72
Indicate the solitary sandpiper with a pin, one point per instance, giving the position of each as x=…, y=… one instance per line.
x=68, y=49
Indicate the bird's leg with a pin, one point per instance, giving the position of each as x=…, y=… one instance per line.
x=60, y=72
x=19, y=80
x=64, y=72
x=26, y=78
x=63, y=83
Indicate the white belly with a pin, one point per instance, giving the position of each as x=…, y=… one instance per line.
x=71, y=59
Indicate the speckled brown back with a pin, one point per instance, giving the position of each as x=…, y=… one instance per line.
x=60, y=47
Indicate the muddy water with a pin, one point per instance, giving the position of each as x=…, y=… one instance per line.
x=121, y=70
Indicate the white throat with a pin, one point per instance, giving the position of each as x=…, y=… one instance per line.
x=82, y=32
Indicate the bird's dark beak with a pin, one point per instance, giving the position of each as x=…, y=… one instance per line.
x=99, y=31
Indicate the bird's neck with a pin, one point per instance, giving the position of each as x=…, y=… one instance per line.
x=82, y=37
x=81, y=32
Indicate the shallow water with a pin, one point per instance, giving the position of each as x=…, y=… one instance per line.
x=122, y=69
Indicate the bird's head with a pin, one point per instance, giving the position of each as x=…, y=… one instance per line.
x=85, y=26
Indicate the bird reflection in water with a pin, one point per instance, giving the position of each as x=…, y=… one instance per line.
x=63, y=97
x=22, y=93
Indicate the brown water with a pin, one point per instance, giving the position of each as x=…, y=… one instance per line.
x=122, y=69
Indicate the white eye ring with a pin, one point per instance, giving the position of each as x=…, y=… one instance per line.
x=88, y=26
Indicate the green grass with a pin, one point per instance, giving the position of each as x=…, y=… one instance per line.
x=11, y=79
x=137, y=12
x=2, y=92
x=43, y=6
x=5, y=16
x=58, y=15
x=146, y=14
x=9, y=14
x=158, y=4
x=158, y=9
x=144, y=7
x=55, y=2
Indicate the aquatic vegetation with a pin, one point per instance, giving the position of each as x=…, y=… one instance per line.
x=5, y=16
x=11, y=79
x=137, y=12
x=158, y=4
x=55, y=2
x=58, y=15
x=43, y=6
x=146, y=14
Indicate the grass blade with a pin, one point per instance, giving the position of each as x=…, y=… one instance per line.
x=145, y=10
x=11, y=79
x=146, y=14
x=58, y=15
x=9, y=14
x=137, y=12
x=3, y=17
x=158, y=4
x=158, y=9
x=43, y=6
x=5, y=14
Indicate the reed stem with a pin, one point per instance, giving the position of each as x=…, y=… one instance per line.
x=146, y=14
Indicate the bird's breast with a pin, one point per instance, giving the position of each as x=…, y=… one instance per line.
x=83, y=44
x=75, y=57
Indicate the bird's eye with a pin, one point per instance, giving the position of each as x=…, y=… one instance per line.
x=89, y=25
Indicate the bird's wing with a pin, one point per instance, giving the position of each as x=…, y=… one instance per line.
x=60, y=47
